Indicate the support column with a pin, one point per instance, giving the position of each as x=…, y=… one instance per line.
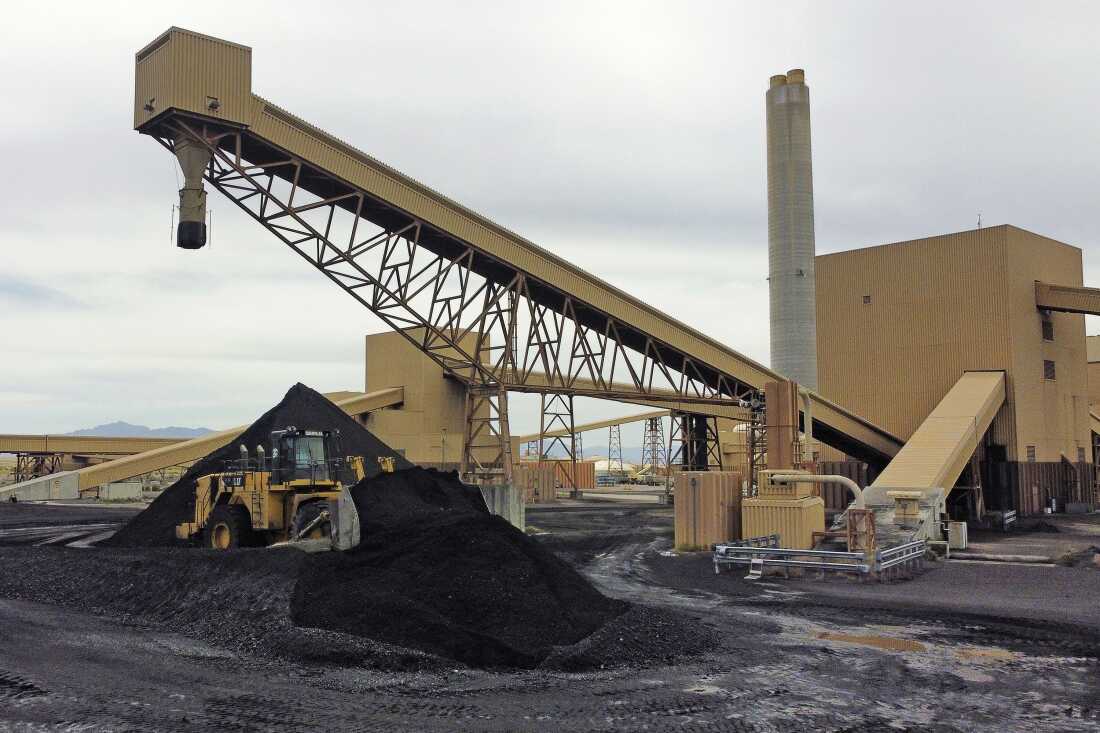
x=557, y=416
x=486, y=439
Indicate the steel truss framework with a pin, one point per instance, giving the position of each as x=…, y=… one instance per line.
x=693, y=442
x=557, y=415
x=615, y=452
x=33, y=465
x=757, y=442
x=654, y=450
x=483, y=319
x=486, y=439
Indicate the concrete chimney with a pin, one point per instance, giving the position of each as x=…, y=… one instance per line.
x=791, y=229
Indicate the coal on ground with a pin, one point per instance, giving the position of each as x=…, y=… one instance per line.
x=470, y=587
x=301, y=407
x=435, y=574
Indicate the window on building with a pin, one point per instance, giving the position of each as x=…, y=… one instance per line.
x=1048, y=328
x=1048, y=370
x=1031, y=454
x=866, y=299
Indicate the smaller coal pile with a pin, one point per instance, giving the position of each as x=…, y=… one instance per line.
x=301, y=407
x=436, y=572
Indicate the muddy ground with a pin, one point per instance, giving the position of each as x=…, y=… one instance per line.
x=963, y=646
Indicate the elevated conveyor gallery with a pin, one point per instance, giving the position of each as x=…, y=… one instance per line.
x=69, y=483
x=85, y=445
x=942, y=446
x=425, y=264
x=1067, y=298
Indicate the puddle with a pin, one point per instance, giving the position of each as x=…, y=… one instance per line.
x=986, y=653
x=889, y=643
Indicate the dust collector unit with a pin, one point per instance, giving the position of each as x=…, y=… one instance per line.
x=791, y=229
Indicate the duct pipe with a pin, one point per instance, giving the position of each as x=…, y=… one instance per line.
x=794, y=478
x=807, y=424
x=193, y=158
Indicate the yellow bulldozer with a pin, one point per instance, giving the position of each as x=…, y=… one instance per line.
x=297, y=495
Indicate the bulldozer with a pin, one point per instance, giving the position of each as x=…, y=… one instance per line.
x=298, y=496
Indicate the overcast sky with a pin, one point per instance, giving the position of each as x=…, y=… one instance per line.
x=626, y=137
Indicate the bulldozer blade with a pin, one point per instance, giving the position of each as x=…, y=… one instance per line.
x=344, y=522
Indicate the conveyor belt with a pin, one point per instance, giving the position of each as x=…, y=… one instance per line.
x=941, y=447
x=192, y=450
x=186, y=81
x=81, y=444
x=1067, y=298
x=585, y=427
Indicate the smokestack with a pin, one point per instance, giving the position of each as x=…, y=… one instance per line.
x=791, y=229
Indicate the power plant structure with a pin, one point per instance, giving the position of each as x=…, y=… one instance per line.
x=792, y=318
x=895, y=524
x=983, y=408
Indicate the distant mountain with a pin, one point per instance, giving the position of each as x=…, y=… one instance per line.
x=120, y=429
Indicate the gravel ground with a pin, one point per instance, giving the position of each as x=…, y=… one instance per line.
x=945, y=651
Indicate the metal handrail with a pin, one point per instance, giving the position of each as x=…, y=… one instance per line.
x=755, y=549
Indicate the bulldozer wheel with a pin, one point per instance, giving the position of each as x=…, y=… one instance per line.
x=307, y=513
x=228, y=527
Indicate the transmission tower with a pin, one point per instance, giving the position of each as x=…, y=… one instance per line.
x=615, y=453
x=654, y=453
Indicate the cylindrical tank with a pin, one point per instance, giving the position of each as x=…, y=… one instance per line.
x=791, y=229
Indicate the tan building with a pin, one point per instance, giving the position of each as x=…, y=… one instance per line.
x=428, y=428
x=1092, y=349
x=899, y=323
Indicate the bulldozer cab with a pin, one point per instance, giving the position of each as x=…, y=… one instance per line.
x=305, y=455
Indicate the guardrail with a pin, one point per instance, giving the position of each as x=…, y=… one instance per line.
x=764, y=552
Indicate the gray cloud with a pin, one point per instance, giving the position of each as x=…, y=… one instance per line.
x=24, y=293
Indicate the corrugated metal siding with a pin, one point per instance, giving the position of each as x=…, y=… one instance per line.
x=87, y=445
x=1037, y=483
x=1051, y=415
x=937, y=309
x=941, y=447
x=794, y=520
x=1066, y=298
x=536, y=481
x=708, y=509
x=187, y=68
x=837, y=496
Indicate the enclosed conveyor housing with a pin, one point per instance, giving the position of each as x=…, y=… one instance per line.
x=909, y=496
x=69, y=484
x=941, y=447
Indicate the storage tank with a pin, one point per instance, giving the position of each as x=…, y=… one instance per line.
x=791, y=229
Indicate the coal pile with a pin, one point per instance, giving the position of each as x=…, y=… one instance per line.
x=467, y=585
x=301, y=407
x=436, y=572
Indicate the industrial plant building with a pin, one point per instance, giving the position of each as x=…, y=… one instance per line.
x=899, y=324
